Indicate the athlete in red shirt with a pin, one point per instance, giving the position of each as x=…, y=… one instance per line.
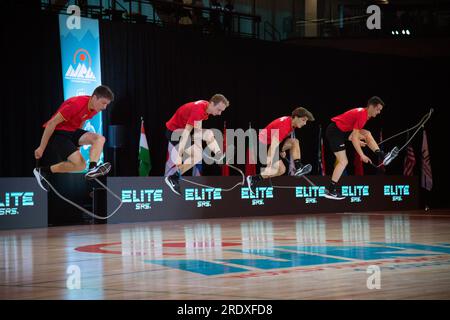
x=62, y=137
x=179, y=129
x=349, y=126
x=276, y=134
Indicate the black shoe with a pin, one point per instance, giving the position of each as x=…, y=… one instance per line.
x=251, y=182
x=307, y=168
x=219, y=157
x=333, y=195
x=98, y=171
x=173, y=183
x=39, y=178
x=390, y=156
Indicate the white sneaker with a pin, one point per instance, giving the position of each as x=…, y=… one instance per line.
x=98, y=171
x=390, y=156
x=39, y=179
x=333, y=195
x=307, y=168
x=174, y=184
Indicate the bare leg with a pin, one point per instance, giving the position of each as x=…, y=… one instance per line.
x=366, y=136
x=194, y=156
x=74, y=163
x=96, y=142
x=341, y=164
x=371, y=143
x=293, y=145
x=278, y=169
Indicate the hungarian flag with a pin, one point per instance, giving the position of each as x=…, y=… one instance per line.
x=225, y=168
x=145, y=163
x=250, y=164
x=410, y=162
x=427, y=176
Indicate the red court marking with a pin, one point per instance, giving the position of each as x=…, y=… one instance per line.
x=99, y=248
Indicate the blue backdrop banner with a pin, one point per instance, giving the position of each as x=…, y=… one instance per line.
x=81, y=67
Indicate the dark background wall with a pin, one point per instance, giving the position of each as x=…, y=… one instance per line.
x=153, y=71
x=31, y=86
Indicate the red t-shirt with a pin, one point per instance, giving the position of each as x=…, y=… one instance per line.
x=352, y=119
x=284, y=126
x=188, y=114
x=74, y=111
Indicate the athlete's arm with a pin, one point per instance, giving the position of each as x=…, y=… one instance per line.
x=183, y=141
x=49, y=129
x=273, y=147
x=357, y=145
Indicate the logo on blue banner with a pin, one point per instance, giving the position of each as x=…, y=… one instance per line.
x=81, y=68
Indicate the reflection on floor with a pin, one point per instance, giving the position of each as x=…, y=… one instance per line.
x=330, y=256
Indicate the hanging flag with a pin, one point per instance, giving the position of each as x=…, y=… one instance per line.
x=145, y=163
x=291, y=160
x=170, y=166
x=410, y=162
x=321, y=155
x=225, y=168
x=427, y=176
x=250, y=164
x=357, y=162
x=382, y=168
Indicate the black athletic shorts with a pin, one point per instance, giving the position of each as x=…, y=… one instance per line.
x=61, y=145
x=169, y=138
x=175, y=140
x=336, y=138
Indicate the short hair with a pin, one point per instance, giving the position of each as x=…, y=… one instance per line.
x=103, y=92
x=374, y=101
x=218, y=98
x=302, y=112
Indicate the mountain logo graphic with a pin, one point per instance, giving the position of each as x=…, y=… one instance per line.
x=83, y=70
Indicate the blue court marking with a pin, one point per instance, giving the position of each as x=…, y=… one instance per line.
x=197, y=266
x=417, y=246
x=291, y=259
x=355, y=252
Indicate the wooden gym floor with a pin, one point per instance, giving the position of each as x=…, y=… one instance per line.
x=320, y=256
